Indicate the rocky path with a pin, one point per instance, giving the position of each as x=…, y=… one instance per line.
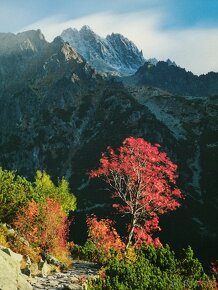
x=73, y=279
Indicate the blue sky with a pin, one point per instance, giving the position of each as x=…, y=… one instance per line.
x=183, y=30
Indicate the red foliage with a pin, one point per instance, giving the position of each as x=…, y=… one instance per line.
x=143, y=234
x=27, y=221
x=44, y=225
x=55, y=226
x=143, y=182
x=103, y=235
x=214, y=268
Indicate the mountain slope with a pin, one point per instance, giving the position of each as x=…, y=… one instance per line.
x=114, y=54
x=19, y=58
x=172, y=78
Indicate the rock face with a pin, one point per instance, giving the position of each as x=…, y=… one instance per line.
x=59, y=116
x=11, y=277
x=114, y=54
x=172, y=78
x=19, y=58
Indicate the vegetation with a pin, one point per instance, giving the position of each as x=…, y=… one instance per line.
x=45, y=188
x=38, y=211
x=16, y=192
x=44, y=226
x=140, y=268
x=153, y=268
x=143, y=183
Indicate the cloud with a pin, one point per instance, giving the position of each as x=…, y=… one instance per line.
x=195, y=48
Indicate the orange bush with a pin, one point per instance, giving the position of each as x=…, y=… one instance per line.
x=103, y=234
x=44, y=225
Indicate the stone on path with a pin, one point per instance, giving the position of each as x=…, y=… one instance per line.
x=72, y=279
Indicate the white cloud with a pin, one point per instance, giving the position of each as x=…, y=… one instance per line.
x=194, y=48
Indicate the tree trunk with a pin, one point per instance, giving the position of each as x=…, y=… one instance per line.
x=130, y=234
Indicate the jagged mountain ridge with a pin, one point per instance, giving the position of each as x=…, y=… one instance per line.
x=32, y=40
x=22, y=66
x=172, y=78
x=64, y=115
x=114, y=54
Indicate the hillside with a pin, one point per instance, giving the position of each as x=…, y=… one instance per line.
x=172, y=78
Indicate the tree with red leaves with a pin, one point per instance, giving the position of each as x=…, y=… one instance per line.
x=143, y=181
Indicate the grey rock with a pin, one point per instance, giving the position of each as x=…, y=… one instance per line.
x=15, y=256
x=11, y=277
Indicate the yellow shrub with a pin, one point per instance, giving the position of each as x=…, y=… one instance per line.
x=3, y=235
x=131, y=255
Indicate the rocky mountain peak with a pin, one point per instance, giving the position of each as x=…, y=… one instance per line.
x=58, y=45
x=32, y=40
x=70, y=53
x=86, y=28
x=114, y=54
x=120, y=39
x=170, y=62
x=41, y=64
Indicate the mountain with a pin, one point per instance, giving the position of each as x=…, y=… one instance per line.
x=29, y=41
x=19, y=57
x=32, y=80
x=59, y=115
x=114, y=54
x=170, y=77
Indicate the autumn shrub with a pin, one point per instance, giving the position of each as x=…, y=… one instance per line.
x=19, y=245
x=16, y=192
x=38, y=210
x=103, y=237
x=103, y=242
x=154, y=268
x=3, y=235
x=103, y=234
x=214, y=268
x=45, y=226
x=10, y=238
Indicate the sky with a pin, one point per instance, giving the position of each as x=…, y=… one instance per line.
x=185, y=31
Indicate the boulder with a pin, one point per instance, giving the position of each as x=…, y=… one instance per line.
x=17, y=257
x=11, y=277
x=52, y=260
